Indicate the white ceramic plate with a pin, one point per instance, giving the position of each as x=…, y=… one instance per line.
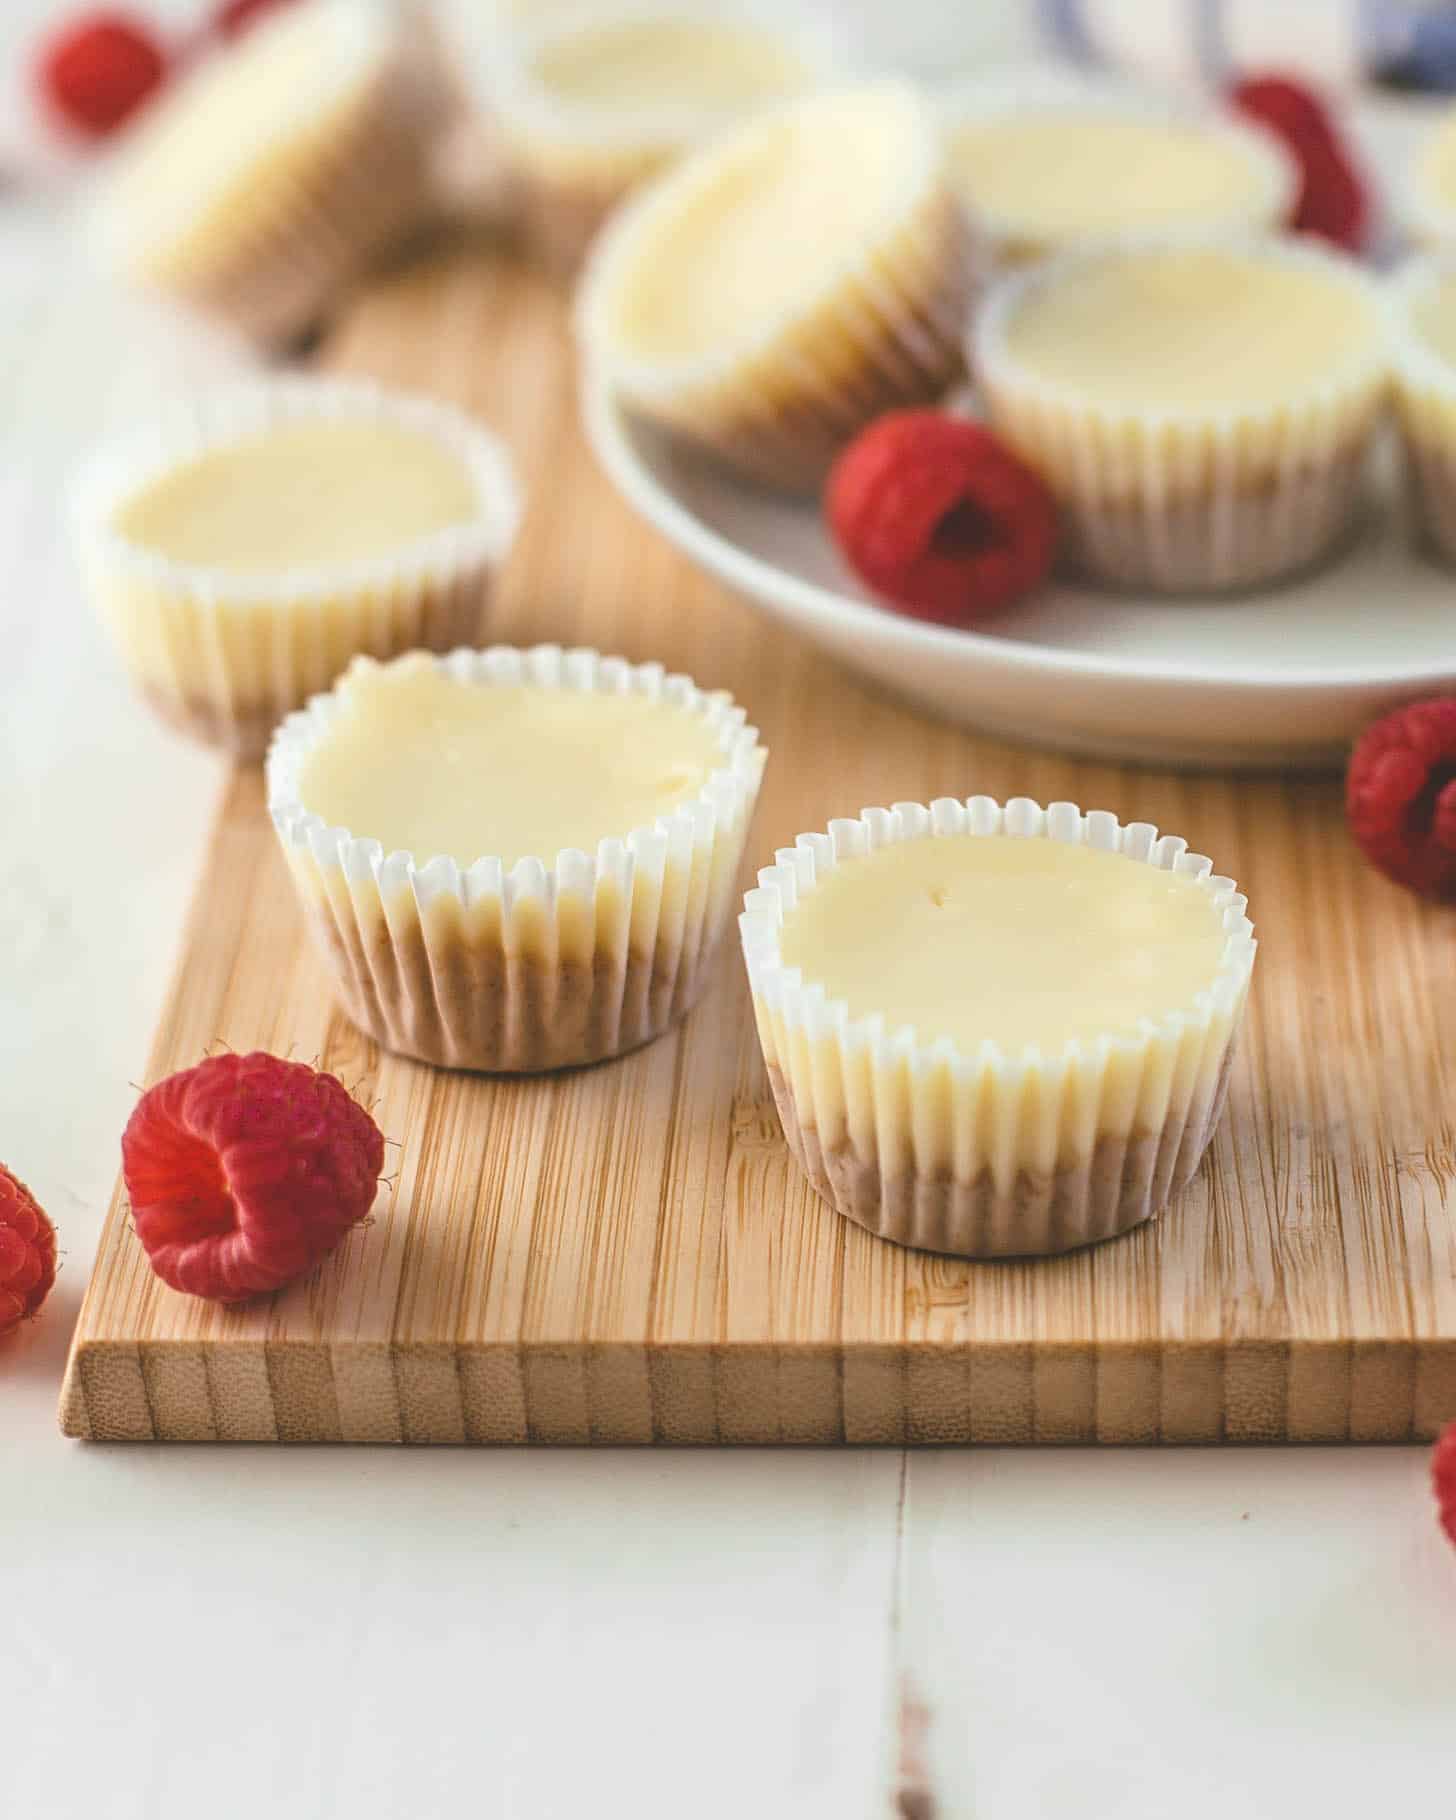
x=1286, y=677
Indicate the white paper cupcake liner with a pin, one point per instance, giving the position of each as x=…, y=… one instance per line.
x=1009, y=242
x=1425, y=400
x=284, y=241
x=225, y=656
x=880, y=330
x=561, y=960
x=1189, y=501
x=990, y=1154
x=571, y=166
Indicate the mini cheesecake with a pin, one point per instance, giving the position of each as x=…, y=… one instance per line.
x=515, y=861
x=996, y=1031
x=276, y=167
x=1065, y=165
x=1423, y=317
x=778, y=290
x=1202, y=410
x=593, y=103
x=243, y=550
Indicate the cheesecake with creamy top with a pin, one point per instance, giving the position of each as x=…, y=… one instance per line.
x=515, y=861
x=776, y=291
x=276, y=167
x=992, y=1031
x=243, y=549
x=1074, y=164
x=592, y=104
x=1201, y=410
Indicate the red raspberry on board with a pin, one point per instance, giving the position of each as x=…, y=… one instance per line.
x=235, y=16
x=97, y=72
x=1332, y=200
x=1443, y=1478
x=1400, y=797
x=245, y=1171
x=27, y=1253
x=937, y=515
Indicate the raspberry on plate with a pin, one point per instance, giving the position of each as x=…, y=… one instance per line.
x=1400, y=797
x=245, y=1171
x=1443, y=1479
x=27, y=1253
x=1332, y=198
x=940, y=517
x=96, y=72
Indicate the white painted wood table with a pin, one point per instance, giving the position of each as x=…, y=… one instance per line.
x=411, y=1635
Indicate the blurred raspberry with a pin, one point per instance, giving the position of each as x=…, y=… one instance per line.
x=245, y=1171
x=27, y=1253
x=1443, y=1478
x=1332, y=200
x=1400, y=797
x=940, y=517
x=97, y=72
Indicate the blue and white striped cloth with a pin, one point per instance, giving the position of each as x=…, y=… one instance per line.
x=1336, y=42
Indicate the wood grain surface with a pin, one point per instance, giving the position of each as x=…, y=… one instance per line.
x=628, y=1253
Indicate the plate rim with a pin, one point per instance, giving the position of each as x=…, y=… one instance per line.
x=609, y=432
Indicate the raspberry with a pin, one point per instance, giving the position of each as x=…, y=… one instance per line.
x=245, y=1171
x=1443, y=1478
x=1332, y=200
x=96, y=73
x=234, y=17
x=27, y=1253
x=939, y=516
x=1400, y=797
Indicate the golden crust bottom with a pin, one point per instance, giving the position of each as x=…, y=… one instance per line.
x=1432, y=469
x=1218, y=542
x=303, y=662
x=479, y=1008
x=1124, y=1182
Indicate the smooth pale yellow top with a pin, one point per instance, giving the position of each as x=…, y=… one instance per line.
x=1433, y=317
x=1190, y=328
x=428, y=765
x=1065, y=176
x=303, y=493
x=245, y=111
x=642, y=63
x=769, y=216
x=1015, y=941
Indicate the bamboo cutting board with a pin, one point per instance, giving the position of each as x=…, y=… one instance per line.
x=628, y=1254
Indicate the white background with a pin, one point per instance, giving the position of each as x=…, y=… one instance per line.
x=392, y=1635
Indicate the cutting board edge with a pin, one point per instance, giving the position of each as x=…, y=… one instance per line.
x=690, y=1393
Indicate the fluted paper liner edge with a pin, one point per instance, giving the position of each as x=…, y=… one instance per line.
x=882, y=330
x=990, y=1153
x=1425, y=401
x=1196, y=500
x=558, y=961
x=227, y=655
